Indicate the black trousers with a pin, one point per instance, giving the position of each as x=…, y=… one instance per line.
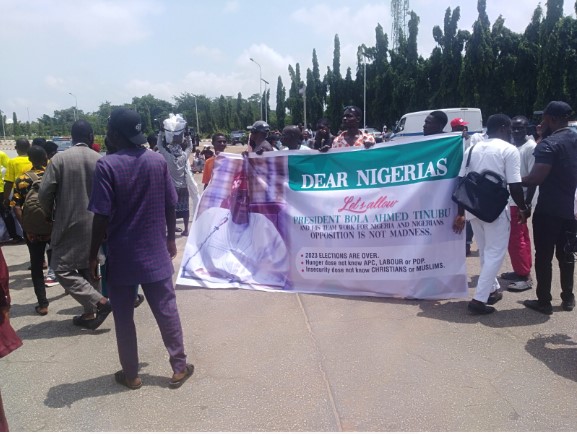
x=36, y=250
x=6, y=214
x=550, y=235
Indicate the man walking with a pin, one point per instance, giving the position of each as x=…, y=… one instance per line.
x=64, y=192
x=499, y=156
x=519, y=240
x=554, y=224
x=134, y=194
x=16, y=167
x=36, y=242
x=175, y=146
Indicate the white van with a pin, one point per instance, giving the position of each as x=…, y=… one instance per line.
x=411, y=124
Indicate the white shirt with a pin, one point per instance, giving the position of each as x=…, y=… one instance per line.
x=527, y=162
x=496, y=155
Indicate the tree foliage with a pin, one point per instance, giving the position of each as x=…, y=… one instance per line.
x=488, y=66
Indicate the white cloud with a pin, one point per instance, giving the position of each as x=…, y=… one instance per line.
x=232, y=6
x=92, y=22
x=244, y=78
x=54, y=82
x=162, y=90
x=207, y=52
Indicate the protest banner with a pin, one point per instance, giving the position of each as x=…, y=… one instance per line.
x=374, y=222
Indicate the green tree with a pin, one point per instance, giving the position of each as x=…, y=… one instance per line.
x=526, y=67
x=151, y=108
x=280, y=104
x=451, y=41
x=15, y=126
x=475, y=81
x=295, y=100
x=335, y=98
x=550, y=65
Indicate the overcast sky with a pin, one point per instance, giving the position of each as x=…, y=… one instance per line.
x=113, y=50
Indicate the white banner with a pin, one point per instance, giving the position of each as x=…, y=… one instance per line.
x=374, y=222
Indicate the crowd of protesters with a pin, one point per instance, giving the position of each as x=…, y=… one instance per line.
x=113, y=200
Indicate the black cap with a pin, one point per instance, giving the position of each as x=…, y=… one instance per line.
x=128, y=123
x=260, y=127
x=558, y=109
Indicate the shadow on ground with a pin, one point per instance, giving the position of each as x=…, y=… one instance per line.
x=55, y=329
x=64, y=395
x=558, y=352
x=18, y=310
x=456, y=311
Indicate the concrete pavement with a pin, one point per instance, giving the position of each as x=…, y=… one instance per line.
x=292, y=362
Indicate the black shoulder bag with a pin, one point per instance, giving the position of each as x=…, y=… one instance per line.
x=482, y=194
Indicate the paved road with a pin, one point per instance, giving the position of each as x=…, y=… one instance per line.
x=291, y=362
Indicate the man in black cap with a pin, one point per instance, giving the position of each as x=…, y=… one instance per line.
x=67, y=183
x=133, y=195
x=554, y=225
x=257, y=139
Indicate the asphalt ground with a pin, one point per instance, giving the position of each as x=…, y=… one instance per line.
x=295, y=362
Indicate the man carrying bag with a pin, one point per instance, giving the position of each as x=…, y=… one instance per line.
x=498, y=156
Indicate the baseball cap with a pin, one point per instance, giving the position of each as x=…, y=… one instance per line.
x=128, y=123
x=558, y=109
x=260, y=127
x=458, y=122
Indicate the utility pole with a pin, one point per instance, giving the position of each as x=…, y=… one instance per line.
x=303, y=92
x=265, y=101
x=399, y=12
x=364, y=91
x=259, y=85
x=3, y=131
x=75, y=106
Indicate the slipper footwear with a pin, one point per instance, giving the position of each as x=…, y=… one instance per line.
x=175, y=384
x=120, y=378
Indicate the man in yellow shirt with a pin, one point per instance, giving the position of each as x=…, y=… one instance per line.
x=5, y=212
x=16, y=167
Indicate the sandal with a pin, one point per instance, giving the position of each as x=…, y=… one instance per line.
x=41, y=310
x=188, y=371
x=120, y=378
x=139, y=300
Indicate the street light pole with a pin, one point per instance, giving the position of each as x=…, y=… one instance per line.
x=265, y=101
x=75, y=106
x=196, y=111
x=3, y=131
x=259, y=84
x=364, y=91
x=303, y=92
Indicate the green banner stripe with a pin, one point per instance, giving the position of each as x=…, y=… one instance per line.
x=427, y=160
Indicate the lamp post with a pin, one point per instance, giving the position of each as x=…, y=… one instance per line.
x=364, y=91
x=265, y=101
x=196, y=111
x=75, y=106
x=3, y=131
x=303, y=92
x=259, y=84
